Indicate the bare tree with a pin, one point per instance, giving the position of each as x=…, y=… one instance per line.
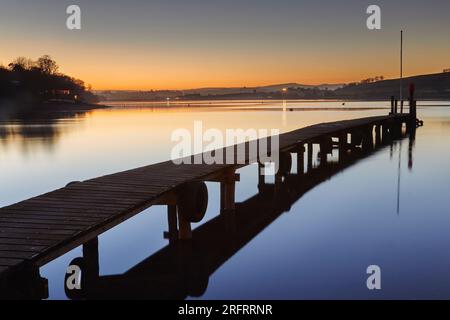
x=47, y=65
x=21, y=63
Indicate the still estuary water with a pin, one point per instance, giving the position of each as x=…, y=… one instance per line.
x=390, y=208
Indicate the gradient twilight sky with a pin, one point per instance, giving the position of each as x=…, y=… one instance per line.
x=176, y=44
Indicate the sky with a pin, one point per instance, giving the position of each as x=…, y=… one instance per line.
x=180, y=44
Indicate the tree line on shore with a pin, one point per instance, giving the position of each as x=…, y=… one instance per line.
x=28, y=81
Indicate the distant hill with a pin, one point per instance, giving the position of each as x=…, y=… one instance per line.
x=430, y=86
x=261, y=89
x=211, y=93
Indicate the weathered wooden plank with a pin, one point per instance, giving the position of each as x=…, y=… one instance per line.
x=39, y=221
x=36, y=231
x=21, y=247
x=115, y=192
x=53, y=216
x=86, y=214
x=88, y=200
x=28, y=242
x=108, y=187
x=16, y=235
x=52, y=203
x=43, y=227
x=120, y=190
x=69, y=209
x=17, y=254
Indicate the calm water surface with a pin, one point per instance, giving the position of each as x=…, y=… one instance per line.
x=381, y=210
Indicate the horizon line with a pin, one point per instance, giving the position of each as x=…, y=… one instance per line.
x=266, y=85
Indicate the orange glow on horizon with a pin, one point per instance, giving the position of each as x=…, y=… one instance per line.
x=106, y=68
x=99, y=83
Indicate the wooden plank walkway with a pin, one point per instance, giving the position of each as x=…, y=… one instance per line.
x=36, y=231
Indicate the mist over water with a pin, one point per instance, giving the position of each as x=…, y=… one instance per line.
x=381, y=210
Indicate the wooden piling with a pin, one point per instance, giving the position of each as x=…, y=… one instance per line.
x=326, y=147
x=386, y=137
x=310, y=156
x=172, y=222
x=378, y=135
x=278, y=182
x=227, y=192
x=301, y=159
x=392, y=105
x=91, y=260
x=184, y=228
x=356, y=138
x=367, y=140
x=343, y=145
x=261, y=178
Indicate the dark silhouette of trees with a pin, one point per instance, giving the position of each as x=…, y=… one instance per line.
x=372, y=80
x=39, y=81
x=47, y=65
x=21, y=64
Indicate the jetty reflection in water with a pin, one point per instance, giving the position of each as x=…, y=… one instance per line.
x=182, y=269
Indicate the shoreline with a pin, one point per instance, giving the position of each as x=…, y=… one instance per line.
x=174, y=101
x=18, y=105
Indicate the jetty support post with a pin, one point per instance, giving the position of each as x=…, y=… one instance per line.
x=228, y=197
x=172, y=220
x=343, y=145
x=261, y=176
x=283, y=168
x=386, y=135
x=367, y=139
x=397, y=129
x=412, y=138
x=278, y=181
x=378, y=135
x=300, y=159
x=91, y=260
x=184, y=226
x=310, y=156
x=413, y=110
x=171, y=201
x=411, y=124
x=392, y=105
x=228, y=191
x=356, y=138
x=326, y=147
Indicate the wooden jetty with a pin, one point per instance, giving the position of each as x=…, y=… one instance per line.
x=36, y=231
x=183, y=269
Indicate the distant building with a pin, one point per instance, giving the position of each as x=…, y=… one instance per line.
x=446, y=70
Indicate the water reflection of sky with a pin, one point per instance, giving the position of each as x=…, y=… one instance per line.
x=47, y=154
x=319, y=249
